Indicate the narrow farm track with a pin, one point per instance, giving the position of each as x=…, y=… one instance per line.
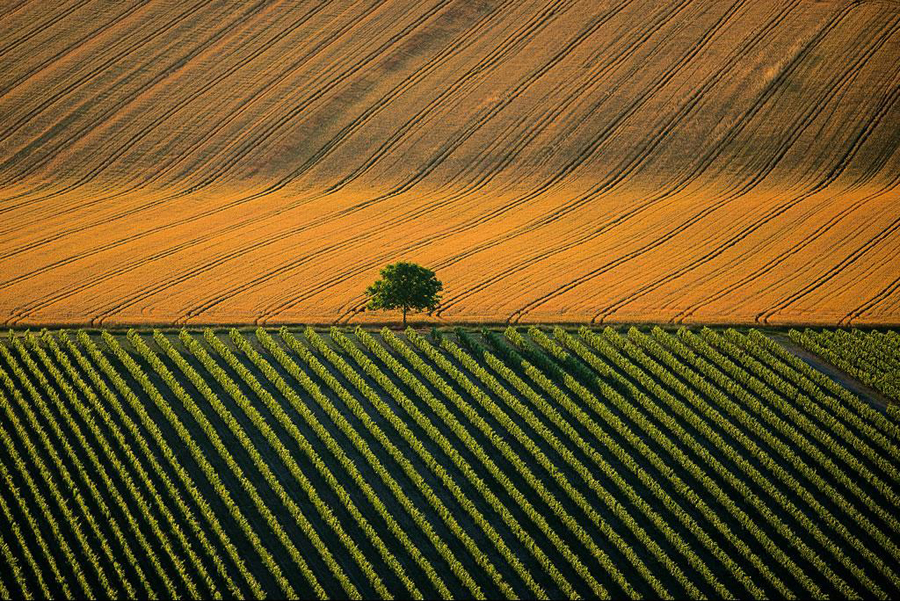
x=554, y=160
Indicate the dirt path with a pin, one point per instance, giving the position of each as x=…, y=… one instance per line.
x=866, y=393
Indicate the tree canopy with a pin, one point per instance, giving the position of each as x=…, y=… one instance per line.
x=405, y=286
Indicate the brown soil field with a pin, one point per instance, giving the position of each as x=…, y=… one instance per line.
x=690, y=161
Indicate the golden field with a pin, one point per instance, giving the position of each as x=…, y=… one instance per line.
x=689, y=161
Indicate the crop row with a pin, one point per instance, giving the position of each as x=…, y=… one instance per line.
x=530, y=463
x=872, y=357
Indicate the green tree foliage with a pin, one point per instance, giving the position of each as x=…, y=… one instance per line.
x=405, y=286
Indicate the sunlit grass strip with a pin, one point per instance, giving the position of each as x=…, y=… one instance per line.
x=288, y=393
x=851, y=358
x=119, y=468
x=197, y=452
x=747, y=379
x=64, y=473
x=256, y=417
x=375, y=373
x=609, y=472
x=315, y=393
x=461, y=463
x=735, y=455
x=623, y=430
x=702, y=408
x=627, y=459
x=405, y=464
x=765, y=367
x=873, y=425
x=23, y=589
x=36, y=533
x=125, y=446
x=70, y=557
x=167, y=452
x=98, y=408
x=432, y=376
x=485, y=401
x=671, y=449
x=12, y=559
x=213, y=436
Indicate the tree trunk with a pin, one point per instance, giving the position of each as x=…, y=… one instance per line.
x=404, y=318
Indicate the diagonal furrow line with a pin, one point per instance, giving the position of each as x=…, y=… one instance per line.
x=94, y=33
x=799, y=125
x=211, y=131
x=832, y=273
x=240, y=201
x=271, y=240
x=90, y=74
x=553, y=216
x=162, y=75
x=110, y=157
x=183, y=153
x=43, y=25
x=253, y=142
x=407, y=217
x=809, y=239
x=163, y=254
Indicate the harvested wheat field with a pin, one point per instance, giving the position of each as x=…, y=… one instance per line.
x=210, y=162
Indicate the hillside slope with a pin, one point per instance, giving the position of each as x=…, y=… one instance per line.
x=553, y=160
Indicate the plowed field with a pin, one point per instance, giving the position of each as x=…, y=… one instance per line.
x=204, y=161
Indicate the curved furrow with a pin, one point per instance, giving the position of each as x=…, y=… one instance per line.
x=210, y=133
x=869, y=126
x=580, y=159
x=557, y=214
x=220, y=260
x=108, y=158
x=102, y=29
x=246, y=108
x=407, y=217
x=369, y=264
x=511, y=150
x=799, y=125
x=834, y=271
x=194, y=188
x=535, y=149
x=544, y=220
x=719, y=250
x=86, y=78
x=13, y=8
x=488, y=63
x=252, y=143
x=469, y=130
x=882, y=295
x=514, y=41
x=61, y=142
x=374, y=109
x=168, y=252
x=128, y=213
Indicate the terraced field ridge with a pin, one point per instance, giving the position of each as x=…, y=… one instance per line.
x=691, y=161
x=521, y=464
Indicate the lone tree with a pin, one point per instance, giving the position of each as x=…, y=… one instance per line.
x=405, y=286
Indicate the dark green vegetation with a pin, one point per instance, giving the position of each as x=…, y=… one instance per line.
x=873, y=358
x=405, y=286
x=533, y=464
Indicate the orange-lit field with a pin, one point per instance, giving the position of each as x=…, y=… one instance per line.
x=185, y=161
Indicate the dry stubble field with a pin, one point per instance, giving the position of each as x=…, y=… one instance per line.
x=692, y=161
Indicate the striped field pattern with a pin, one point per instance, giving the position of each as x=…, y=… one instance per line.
x=213, y=162
x=530, y=463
